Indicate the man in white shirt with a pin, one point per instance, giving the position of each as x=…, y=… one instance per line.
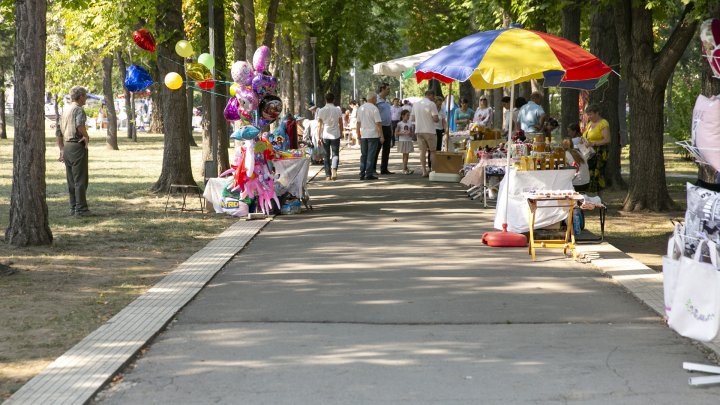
x=369, y=131
x=329, y=126
x=425, y=115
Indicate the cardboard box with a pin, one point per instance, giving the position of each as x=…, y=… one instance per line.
x=448, y=162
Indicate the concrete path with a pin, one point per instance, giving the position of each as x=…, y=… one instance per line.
x=384, y=295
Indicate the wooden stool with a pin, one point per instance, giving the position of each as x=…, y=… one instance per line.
x=184, y=190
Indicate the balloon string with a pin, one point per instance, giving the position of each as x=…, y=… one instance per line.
x=208, y=91
x=222, y=73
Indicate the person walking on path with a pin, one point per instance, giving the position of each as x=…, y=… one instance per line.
x=386, y=118
x=329, y=126
x=370, y=133
x=425, y=115
x=395, y=110
x=73, y=141
x=403, y=131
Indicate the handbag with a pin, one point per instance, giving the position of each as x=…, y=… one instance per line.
x=671, y=266
x=586, y=151
x=696, y=303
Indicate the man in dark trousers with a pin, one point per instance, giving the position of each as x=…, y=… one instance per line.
x=386, y=116
x=73, y=140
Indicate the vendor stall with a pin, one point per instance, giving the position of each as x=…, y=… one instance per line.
x=518, y=210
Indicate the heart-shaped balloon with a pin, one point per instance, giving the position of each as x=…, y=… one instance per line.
x=242, y=73
x=270, y=109
x=248, y=99
x=710, y=40
x=144, y=39
x=231, y=111
x=137, y=78
x=260, y=58
x=264, y=84
x=198, y=72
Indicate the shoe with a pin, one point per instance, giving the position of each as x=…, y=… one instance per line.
x=371, y=178
x=387, y=172
x=84, y=214
x=328, y=178
x=408, y=172
x=426, y=175
x=333, y=176
x=362, y=177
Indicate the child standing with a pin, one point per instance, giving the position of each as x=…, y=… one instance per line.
x=403, y=131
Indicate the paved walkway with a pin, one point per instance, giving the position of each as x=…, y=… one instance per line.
x=384, y=294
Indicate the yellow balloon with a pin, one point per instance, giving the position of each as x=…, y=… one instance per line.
x=173, y=81
x=233, y=89
x=184, y=49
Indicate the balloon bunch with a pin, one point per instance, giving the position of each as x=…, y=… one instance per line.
x=710, y=40
x=137, y=78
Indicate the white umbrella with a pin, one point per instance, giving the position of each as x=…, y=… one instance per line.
x=396, y=67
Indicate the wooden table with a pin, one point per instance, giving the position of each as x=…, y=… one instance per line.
x=568, y=242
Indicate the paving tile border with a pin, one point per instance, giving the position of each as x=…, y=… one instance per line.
x=79, y=373
x=643, y=282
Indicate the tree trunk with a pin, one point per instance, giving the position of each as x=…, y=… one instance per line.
x=289, y=75
x=28, y=223
x=111, y=138
x=436, y=88
x=131, y=115
x=647, y=73
x=602, y=31
x=223, y=139
x=306, y=81
x=176, y=167
x=239, y=47
x=250, y=31
x=3, y=125
x=270, y=24
x=189, y=97
x=468, y=91
x=129, y=109
x=498, y=94
x=156, y=118
x=569, y=111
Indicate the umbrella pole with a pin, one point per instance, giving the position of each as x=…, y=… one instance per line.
x=447, y=118
x=507, y=149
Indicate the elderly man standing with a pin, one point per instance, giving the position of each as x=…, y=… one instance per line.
x=329, y=128
x=386, y=117
x=425, y=115
x=531, y=116
x=369, y=131
x=73, y=140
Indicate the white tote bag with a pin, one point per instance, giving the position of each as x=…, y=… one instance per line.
x=696, y=305
x=671, y=266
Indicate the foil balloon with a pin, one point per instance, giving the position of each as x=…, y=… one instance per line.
x=206, y=84
x=173, y=81
x=144, y=39
x=247, y=132
x=260, y=58
x=710, y=40
x=248, y=99
x=264, y=84
x=233, y=89
x=207, y=60
x=231, y=111
x=137, y=79
x=242, y=73
x=184, y=49
x=198, y=72
x=269, y=110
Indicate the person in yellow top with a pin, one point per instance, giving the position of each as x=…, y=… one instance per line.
x=597, y=135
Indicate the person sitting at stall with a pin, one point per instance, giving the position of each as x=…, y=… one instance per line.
x=574, y=158
x=463, y=115
x=484, y=114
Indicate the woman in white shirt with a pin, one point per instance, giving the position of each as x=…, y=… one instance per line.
x=484, y=114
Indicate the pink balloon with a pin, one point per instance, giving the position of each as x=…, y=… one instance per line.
x=242, y=73
x=248, y=99
x=260, y=58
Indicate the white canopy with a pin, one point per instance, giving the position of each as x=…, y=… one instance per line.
x=396, y=67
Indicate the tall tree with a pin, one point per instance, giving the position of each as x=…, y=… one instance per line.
x=270, y=23
x=28, y=209
x=111, y=138
x=129, y=108
x=603, y=44
x=250, y=30
x=569, y=112
x=176, y=167
x=3, y=125
x=238, y=30
x=647, y=73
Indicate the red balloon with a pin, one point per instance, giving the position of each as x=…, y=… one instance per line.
x=144, y=39
x=206, y=84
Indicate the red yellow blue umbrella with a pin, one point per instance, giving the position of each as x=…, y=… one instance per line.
x=493, y=59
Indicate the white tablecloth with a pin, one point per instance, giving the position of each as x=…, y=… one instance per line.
x=291, y=175
x=518, y=208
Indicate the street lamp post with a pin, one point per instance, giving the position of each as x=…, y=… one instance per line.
x=354, y=72
x=313, y=41
x=212, y=167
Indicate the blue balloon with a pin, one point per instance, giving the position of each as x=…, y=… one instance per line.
x=137, y=79
x=247, y=133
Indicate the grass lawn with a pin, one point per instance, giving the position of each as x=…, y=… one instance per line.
x=96, y=265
